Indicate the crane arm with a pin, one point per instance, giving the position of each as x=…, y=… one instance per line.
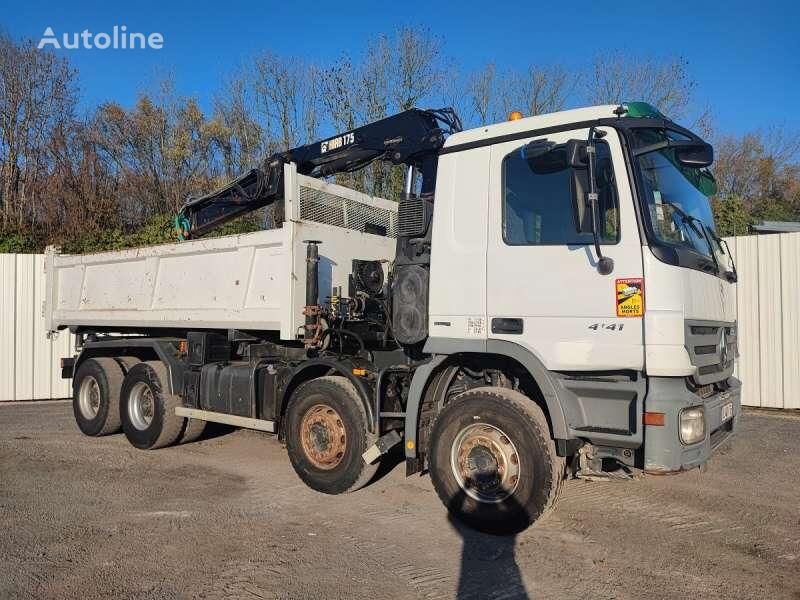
x=412, y=137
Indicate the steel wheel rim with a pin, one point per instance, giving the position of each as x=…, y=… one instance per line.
x=323, y=437
x=141, y=406
x=89, y=397
x=485, y=463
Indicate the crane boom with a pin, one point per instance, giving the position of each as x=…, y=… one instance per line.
x=412, y=137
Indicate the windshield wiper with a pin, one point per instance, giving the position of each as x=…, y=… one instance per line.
x=687, y=218
x=732, y=276
x=701, y=231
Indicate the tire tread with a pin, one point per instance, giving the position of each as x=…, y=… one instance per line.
x=529, y=411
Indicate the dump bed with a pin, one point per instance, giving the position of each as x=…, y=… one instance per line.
x=250, y=281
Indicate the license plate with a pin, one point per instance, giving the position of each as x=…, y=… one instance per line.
x=727, y=412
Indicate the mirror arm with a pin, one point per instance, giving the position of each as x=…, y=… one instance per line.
x=734, y=275
x=604, y=264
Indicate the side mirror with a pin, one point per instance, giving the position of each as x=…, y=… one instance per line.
x=581, y=210
x=696, y=155
x=576, y=154
x=545, y=157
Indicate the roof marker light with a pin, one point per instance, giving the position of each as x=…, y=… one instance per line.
x=638, y=109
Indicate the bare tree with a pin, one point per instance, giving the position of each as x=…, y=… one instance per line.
x=614, y=78
x=481, y=89
x=394, y=73
x=37, y=99
x=418, y=69
x=540, y=89
x=288, y=99
x=237, y=133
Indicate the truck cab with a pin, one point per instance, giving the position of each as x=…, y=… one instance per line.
x=640, y=358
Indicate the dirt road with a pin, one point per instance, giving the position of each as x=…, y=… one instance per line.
x=227, y=518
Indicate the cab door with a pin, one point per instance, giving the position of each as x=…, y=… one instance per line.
x=544, y=291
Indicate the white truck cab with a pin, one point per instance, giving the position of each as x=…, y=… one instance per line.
x=511, y=268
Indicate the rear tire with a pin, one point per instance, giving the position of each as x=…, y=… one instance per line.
x=326, y=434
x=95, y=398
x=192, y=432
x=127, y=362
x=492, y=461
x=148, y=409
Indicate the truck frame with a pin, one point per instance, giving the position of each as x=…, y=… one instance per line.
x=492, y=322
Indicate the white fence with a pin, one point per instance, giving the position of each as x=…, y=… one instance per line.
x=29, y=362
x=767, y=300
x=768, y=305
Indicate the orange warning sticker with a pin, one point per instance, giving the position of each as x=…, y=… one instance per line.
x=630, y=297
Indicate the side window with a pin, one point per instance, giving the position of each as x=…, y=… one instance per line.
x=538, y=208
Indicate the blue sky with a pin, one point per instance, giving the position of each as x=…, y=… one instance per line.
x=744, y=56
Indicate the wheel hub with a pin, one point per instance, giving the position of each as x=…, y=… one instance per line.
x=485, y=463
x=141, y=406
x=89, y=397
x=323, y=437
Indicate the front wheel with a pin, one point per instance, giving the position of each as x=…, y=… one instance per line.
x=326, y=434
x=492, y=461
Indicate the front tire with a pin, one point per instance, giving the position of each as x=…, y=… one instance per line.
x=95, y=399
x=492, y=461
x=326, y=434
x=148, y=409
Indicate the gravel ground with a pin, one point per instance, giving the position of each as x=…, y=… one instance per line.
x=227, y=518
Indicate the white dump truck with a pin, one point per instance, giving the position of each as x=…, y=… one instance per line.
x=547, y=298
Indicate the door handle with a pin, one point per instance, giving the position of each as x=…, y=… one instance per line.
x=506, y=325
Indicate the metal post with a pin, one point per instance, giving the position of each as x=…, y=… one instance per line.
x=311, y=310
x=408, y=187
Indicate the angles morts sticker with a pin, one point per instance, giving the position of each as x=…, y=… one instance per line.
x=630, y=297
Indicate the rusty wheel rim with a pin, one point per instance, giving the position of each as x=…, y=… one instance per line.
x=485, y=463
x=323, y=437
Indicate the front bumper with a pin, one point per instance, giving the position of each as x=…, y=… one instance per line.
x=663, y=451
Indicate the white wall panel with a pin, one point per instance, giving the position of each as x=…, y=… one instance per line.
x=25, y=316
x=770, y=320
x=768, y=313
x=29, y=361
x=790, y=302
x=748, y=366
x=42, y=364
x=8, y=291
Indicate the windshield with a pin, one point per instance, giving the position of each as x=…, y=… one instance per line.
x=677, y=197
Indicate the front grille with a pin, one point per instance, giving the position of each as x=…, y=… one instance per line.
x=713, y=358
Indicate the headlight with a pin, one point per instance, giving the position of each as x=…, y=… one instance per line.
x=693, y=425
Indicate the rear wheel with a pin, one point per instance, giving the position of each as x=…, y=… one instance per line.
x=95, y=400
x=326, y=434
x=148, y=409
x=193, y=430
x=492, y=461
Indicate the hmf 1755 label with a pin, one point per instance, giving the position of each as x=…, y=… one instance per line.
x=337, y=142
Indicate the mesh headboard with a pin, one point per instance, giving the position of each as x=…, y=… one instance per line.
x=339, y=206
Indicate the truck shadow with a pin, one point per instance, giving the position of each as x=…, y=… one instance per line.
x=388, y=463
x=215, y=430
x=488, y=566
